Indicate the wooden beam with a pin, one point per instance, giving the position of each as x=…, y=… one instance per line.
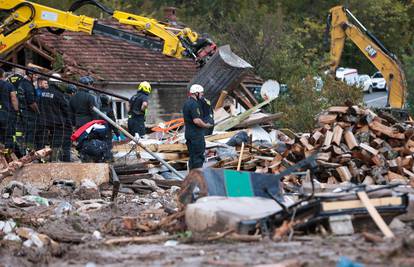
x=328, y=138
x=220, y=101
x=337, y=135
x=379, y=221
x=357, y=204
x=338, y=109
x=350, y=139
x=327, y=119
x=344, y=173
x=248, y=94
x=368, y=148
x=377, y=126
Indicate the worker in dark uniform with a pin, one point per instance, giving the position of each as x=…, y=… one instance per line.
x=29, y=110
x=195, y=127
x=42, y=133
x=138, y=105
x=207, y=113
x=106, y=108
x=64, y=129
x=54, y=111
x=81, y=106
x=9, y=106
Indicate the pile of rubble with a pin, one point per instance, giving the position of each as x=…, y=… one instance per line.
x=352, y=144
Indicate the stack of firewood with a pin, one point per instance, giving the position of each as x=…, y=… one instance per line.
x=353, y=144
x=356, y=145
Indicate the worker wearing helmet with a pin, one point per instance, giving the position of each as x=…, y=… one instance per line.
x=195, y=127
x=82, y=103
x=28, y=109
x=138, y=105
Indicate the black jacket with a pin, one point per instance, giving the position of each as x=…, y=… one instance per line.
x=54, y=108
x=81, y=105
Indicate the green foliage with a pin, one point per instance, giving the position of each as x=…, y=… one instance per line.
x=58, y=64
x=284, y=39
x=301, y=105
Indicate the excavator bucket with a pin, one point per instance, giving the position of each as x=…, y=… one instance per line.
x=223, y=71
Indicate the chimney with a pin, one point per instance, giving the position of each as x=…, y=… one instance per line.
x=170, y=15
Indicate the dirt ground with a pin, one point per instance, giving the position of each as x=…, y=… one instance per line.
x=302, y=251
x=78, y=245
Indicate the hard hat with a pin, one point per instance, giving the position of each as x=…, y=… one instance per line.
x=145, y=87
x=196, y=88
x=88, y=80
x=71, y=89
x=57, y=75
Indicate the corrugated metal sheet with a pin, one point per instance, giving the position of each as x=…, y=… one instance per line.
x=224, y=71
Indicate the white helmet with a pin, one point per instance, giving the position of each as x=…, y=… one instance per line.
x=196, y=88
x=57, y=75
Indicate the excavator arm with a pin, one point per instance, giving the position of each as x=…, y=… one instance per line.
x=386, y=62
x=24, y=19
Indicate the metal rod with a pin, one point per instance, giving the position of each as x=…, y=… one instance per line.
x=356, y=20
x=63, y=80
x=137, y=142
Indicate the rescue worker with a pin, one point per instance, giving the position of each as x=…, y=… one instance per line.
x=195, y=127
x=106, y=108
x=81, y=105
x=66, y=127
x=9, y=106
x=42, y=134
x=138, y=105
x=207, y=113
x=54, y=111
x=28, y=108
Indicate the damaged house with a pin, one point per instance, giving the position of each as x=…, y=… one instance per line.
x=118, y=67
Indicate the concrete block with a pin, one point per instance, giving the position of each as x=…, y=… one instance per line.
x=43, y=175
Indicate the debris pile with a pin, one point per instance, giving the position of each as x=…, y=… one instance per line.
x=353, y=144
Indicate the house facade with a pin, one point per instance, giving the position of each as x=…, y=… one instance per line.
x=117, y=67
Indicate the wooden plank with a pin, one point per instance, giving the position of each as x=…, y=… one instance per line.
x=252, y=122
x=379, y=221
x=316, y=136
x=230, y=123
x=350, y=139
x=220, y=115
x=242, y=99
x=327, y=119
x=221, y=136
x=337, y=135
x=407, y=172
x=338, y=109
x=248, y=94
x=328, y=138
x=324, y=156
x=344, y=173
x=305, y=142
x=220, y=101
x=368, y=148
x=240, y=157
x=357, y=204
x=377, y=126
x=395, y=176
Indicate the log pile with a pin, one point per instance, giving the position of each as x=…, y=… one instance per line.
x=353, y=144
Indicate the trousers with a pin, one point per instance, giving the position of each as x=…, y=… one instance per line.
x=136, y=125
x=196, y=148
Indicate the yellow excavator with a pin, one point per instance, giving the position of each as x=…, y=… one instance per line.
x=386, y=62
x=23, y=19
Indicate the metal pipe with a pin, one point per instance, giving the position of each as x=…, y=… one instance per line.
x=63, y=80
x=137, y=142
